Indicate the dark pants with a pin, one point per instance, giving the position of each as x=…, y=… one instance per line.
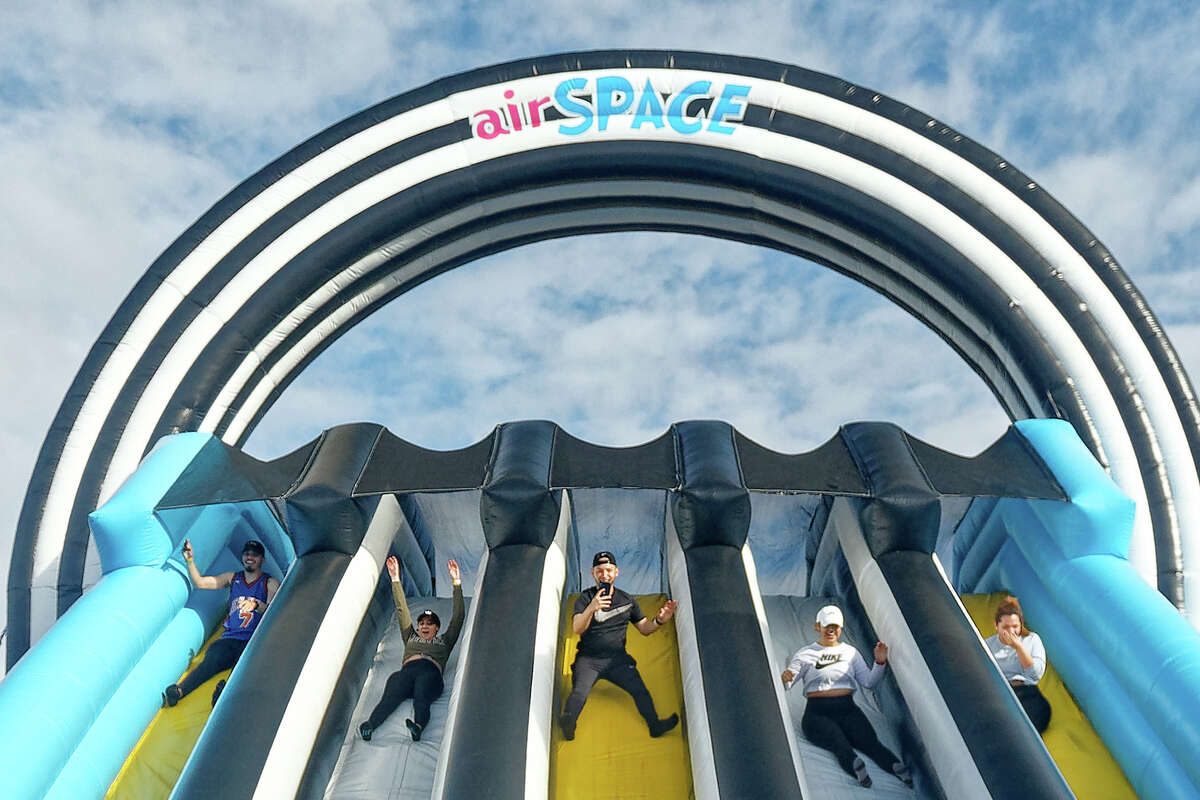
x=621, y=670
x=1035, y=705
x=421, y=680
x=221, y=654
x=839, y=726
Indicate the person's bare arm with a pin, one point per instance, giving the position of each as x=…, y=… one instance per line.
x=649, y=625
x=259, y=605
x=583, y=620
x=221, y=581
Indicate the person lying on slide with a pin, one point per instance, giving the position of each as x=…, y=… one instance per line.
x=250, y=592
x=425, y=656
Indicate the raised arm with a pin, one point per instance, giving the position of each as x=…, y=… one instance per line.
x=456, y=620
x=405, y=618
x=221, y=581
x=867, y=678
x=649, y=625
x=582, y=620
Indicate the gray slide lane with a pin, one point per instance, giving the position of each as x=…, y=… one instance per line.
x=391, y=765
x=791, y=624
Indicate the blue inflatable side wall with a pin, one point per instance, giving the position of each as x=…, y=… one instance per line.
x=1128, y=656
x=137, y=628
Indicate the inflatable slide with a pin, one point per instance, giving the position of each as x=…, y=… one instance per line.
x=913, y=543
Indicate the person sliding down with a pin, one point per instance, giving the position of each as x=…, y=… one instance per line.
x=1021, y=656
x=830, y=671
x=600, y=618
x=425, y=656
x=250, y=592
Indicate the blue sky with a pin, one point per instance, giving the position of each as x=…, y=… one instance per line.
x=122, y=122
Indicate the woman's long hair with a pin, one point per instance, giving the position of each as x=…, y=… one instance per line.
x=1011, y=605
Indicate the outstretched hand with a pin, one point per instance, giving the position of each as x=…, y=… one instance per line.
x=455, y=576
x=881, y=653
x=667, y=611
x=393, y=567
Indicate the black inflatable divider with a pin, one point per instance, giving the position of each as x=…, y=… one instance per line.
x=337, y=719
x=486, y=754
x=900, y=525
x=1005, y=748
x=516, y=506
x=712, y=514
x=520, y=518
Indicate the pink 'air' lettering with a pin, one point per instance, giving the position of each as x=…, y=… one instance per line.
x=490, y=122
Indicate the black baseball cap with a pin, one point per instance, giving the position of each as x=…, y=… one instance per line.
x=253, y=546
x=432, y=615
x=604, y=557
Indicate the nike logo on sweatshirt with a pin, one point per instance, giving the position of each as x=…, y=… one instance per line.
x=605, y=616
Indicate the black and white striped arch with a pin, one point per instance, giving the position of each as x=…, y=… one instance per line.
x=757, y=151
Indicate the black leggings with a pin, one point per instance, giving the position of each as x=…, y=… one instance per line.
x=839, y=726
x=419, y=679
x=221, y=654
x=621, y=670
x=1035, y=704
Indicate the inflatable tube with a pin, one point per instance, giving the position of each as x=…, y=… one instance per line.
x=747, y=743
x=138, y=628
x=331, y=231
x=864, y=533
x=497, y=697
x=1066, y=561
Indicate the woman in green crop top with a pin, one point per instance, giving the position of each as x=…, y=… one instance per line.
x=425, y=656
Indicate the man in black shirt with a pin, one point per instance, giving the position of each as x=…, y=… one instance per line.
x=600, y=618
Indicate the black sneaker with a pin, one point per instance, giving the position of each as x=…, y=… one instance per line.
x=568, y=728
x=860, y=774
x=172, y=695
x=220, y=687
x=663, y=726
x=365, y=731
x=414, y=729
x=901, y=772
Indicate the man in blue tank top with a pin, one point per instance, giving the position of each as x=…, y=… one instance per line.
x=250, y=592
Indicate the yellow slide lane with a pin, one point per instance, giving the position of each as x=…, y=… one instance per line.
x=158, y=758
x=1084, y=760
x=613, y=755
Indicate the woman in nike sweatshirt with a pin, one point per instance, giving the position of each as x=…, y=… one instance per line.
x=829, y=672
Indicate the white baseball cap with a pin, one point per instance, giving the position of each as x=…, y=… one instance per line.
x=830, y=615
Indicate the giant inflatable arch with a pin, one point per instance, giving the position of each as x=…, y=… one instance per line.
x=738, y=148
